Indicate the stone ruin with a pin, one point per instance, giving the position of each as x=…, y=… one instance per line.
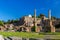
x=42, y=24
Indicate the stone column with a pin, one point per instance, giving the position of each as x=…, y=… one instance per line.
x=49, y=14
x=50, y=21
x=35, y=24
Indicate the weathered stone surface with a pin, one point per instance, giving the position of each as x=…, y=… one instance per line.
x=1, y=37
x=15, y=38
x=6, y=38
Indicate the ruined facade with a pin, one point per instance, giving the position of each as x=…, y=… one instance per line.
x=42, y=24
x=29, y=24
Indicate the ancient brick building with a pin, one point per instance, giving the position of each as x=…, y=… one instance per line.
x=42, y=24
x=29, y=24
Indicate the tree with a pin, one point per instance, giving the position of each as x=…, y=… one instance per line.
x=14, y=21
x=8, y=22
x=1, y=23
x=52, y=17
x=57, y=26
x=11, y=21
x=38, y=17
x=32, y=16
x=41, y=15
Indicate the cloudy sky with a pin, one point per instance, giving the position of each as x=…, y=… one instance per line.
x=13, y=9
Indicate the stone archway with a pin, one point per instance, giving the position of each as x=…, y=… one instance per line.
x=23, y=29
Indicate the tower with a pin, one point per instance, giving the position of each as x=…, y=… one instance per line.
x=49, y=14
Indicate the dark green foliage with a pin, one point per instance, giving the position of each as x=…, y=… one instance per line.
x=57, y=26
x=8, y=22
x=38, y=16
x=33, y=29
x=42, y=14
x=32, y=16
x=12, y=21
x=52, y=17
x=1, y=23
x=48, y=29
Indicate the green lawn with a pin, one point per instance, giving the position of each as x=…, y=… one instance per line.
x=21, y=34
x=27, y=34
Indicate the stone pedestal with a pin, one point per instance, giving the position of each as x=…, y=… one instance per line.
x=28, y=29
x=38, y=29
x=52, y=29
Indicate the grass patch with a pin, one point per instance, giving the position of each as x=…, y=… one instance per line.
x=21, y=34
x=27, y=34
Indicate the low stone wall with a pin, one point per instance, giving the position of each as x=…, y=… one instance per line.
x=17, y=38
x=46, y=37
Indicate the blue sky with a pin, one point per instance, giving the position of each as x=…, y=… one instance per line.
x=13, y=9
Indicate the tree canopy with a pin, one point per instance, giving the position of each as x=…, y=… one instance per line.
x=12, y=21
x=1, y=23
